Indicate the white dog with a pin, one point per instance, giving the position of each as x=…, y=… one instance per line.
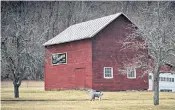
x=94, y=94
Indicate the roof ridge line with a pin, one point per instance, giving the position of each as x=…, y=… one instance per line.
x=93, y=34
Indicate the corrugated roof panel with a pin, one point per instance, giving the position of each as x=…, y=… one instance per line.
x=82, y=30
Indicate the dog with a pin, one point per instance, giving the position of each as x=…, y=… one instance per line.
x=95, y=94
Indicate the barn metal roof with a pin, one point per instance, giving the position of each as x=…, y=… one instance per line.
x=82, y=30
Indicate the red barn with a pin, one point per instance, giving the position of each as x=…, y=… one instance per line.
x=87, y=55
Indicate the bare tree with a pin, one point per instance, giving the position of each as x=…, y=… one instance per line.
x=158, y=32
x=17, y=49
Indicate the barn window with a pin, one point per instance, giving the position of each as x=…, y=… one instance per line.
x=59, y=58
x=131, y=73
x=108, y=72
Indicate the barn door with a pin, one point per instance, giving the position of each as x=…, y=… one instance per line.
x=80, y=77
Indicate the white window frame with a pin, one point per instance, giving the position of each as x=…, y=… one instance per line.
x=59, y=63
x=111, y=73
x=128, y=71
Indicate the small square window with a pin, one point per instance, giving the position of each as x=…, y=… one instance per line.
x=131, y=73
x=108, y=72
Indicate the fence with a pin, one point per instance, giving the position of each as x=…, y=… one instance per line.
x=24, y=84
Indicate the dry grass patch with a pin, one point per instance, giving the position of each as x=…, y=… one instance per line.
x=38, y=99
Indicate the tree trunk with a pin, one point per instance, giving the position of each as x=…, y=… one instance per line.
x=156, y=89
x=16, y=91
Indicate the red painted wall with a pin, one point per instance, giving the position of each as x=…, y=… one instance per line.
x=79, y=64
x=106, y=53
x=90, y=56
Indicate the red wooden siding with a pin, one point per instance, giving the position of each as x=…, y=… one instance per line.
x=78, y=70
x=87, y=58
x=106, y=53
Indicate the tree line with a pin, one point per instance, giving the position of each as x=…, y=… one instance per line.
x=26, y=25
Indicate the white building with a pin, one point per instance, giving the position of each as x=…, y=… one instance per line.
x=166, y=82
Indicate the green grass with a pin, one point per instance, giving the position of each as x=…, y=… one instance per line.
x=38, y=99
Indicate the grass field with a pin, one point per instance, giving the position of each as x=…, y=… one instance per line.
x=38, y=99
